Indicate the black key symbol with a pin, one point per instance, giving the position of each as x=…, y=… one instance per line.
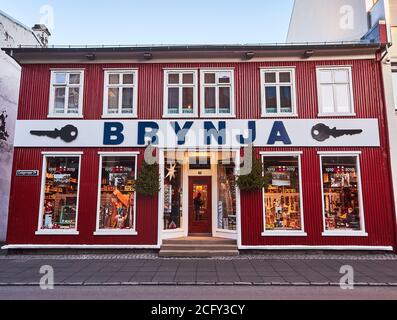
x=68, y=133
x=321, y=132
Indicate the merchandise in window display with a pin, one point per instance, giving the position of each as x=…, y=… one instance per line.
x=172, y=196
x=227, y=219
x=117, y=193
x=282, y=194
x=341, y=198
x=60, y=193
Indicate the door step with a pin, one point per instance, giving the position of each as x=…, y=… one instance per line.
x=191, y=247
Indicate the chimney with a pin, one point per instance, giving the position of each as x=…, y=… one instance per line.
x=42, y=33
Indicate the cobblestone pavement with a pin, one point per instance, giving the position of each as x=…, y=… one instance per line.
x=147, y=269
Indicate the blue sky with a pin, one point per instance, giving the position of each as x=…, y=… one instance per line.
x=158, y=21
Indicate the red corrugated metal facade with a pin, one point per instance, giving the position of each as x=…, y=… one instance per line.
x=377, y=193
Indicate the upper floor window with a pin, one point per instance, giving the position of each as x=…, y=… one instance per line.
x=217, y=96
x=66, y=94
x=335, y=91
x=120, y=97
x=278, y=92
x=394, y=75
x=180, y=93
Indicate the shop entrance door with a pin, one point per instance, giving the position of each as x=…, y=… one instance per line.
x=200, y=205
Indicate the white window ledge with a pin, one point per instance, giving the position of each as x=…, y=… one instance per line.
x=226, y=231
x=345, y=234
x=116, y=233
x=61, y=116
x=58, y=232
x=284, y=234
x=119, y=116
x=323, y=115
x=177, y=116
x=218, y=116
x=279, y=115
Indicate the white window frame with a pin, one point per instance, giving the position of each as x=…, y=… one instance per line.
x=51, y=108
x=217, y=85
x=106, y=86
x=284, y=233
x=344, y=233
x=104, y=232
x=181, y=86
x=394, y=84
x=61, y=232
x=321, y=113
x=277, y=84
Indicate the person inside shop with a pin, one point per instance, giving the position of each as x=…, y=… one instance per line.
x=198, y=203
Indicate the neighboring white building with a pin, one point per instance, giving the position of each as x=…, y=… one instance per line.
x=354, y=20
x=12, y=34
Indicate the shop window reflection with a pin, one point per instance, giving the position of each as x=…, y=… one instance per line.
x=341, y=193
x=282, y=201
x=117, y=193
x=173, y=194
x=60, y=193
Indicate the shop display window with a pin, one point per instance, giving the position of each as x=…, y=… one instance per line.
x=341, y=193
x=282, y=193
x=227, y=218
x=117, y=193
x=61, y=189
x=173, y=194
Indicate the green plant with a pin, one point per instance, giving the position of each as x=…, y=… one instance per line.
x=148, y=181
x=254, y=181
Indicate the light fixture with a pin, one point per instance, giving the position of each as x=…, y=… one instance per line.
x=249, y=55
x=90, y=56
x=147, y=56
x=308, y=54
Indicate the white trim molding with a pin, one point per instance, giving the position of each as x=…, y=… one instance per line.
x=76, y=246
x=331, y=248
x=286, y=233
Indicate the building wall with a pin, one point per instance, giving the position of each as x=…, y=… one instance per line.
x=375, y=168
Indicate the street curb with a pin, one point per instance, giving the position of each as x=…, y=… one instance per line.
x=197, y=284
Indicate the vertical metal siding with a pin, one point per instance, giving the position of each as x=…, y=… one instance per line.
x=367, y=87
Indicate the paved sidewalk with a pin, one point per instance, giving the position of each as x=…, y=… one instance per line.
x=371, y=270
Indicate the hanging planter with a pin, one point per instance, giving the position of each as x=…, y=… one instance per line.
x=254, y=181
x=148, y=181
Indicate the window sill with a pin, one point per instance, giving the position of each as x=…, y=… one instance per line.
x=324, y=115
x=284, y=234
x=218, y=116
x=177, y=116
x=60, y=116
x=345, y=234
x=57, y=233
x=226, y=231
x=277, y=115
x=173, y=230
x=119, y=116
x=116, y=233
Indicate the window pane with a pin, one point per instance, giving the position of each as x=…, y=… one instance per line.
x=128, y=78
x=282, y=193
x=60, y=78
x=341, y=75
x=327, y=98
x=209, y=78
x=341, y=194
x=117, y=199
x=224, y=77
x=60, y=193
x=270, y=77
x=114, y=78
x=173, y=194
x=173, y=78
x=325, y=76
x=73, y=101
x=226, y=192
x=187, y=78
x=74, y=78
x=210, y=105
x=128, y=100
x=113, y=100
x=271, y=99
x=342, y=92
x=224, y=100
x=59, y=105
x=286, y=99
x=285, y=77
x=187, y=100
x=173, y=100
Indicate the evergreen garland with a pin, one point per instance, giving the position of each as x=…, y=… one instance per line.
x=254, y=181
x=148, y=181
